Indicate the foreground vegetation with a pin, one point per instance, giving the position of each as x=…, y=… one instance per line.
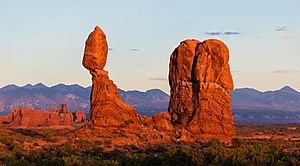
x=211, y=153
x=67, y=147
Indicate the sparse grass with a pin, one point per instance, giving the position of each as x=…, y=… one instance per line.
x=89, y=152
x=211, y=153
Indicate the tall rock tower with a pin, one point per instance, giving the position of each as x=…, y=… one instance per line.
x=201, y=83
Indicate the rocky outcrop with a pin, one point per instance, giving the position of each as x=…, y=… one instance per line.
x=63, y=108
x=79, y=117
x=107, y=107
x=4, y=120
x=28, y=118
x=201, y=83
x=161, y=121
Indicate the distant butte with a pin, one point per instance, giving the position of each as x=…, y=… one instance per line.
x=54, y=118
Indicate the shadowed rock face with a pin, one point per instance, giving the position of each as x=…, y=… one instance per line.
x=107, y=107
x=201, y=83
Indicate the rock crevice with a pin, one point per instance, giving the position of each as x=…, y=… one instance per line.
x=201, y=82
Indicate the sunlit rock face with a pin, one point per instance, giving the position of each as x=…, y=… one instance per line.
x=200, y=80
x=28, y=118
x=107, y=107
x=201, y=83
x=79, y=117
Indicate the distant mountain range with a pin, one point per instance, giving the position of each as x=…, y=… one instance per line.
x=77, y=97
x=42, y=97
x=147, y=103
x=285, y=99
x=271, y=107
x=249, y=105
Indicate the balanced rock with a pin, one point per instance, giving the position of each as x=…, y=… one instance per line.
x=107, y=107
x=96, y=49
x=201, y=82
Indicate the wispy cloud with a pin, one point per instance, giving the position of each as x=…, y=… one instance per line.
x=214, y=33
x=110, y=49
x=134, y=49
x=159, y=79
x=228, y=33
x=284, y=71
x=232, y=33
x=281, y=28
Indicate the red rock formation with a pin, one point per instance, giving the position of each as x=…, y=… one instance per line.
x=28, y=118
x=79, y=117
x=201, y=83
x=63, y=108
x=107, y=107
x=161, y=121
x=4, y=120
x=199, y=108
x=96, y=49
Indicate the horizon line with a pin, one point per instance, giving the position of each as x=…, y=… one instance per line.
x=76, y=84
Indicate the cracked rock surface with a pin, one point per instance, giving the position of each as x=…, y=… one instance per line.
x=201, y=82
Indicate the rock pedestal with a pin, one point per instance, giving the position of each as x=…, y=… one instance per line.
x=107, y=107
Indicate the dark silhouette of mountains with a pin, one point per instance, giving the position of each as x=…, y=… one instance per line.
x=249, y=105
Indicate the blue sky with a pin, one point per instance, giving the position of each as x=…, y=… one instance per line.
x=44, y=41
